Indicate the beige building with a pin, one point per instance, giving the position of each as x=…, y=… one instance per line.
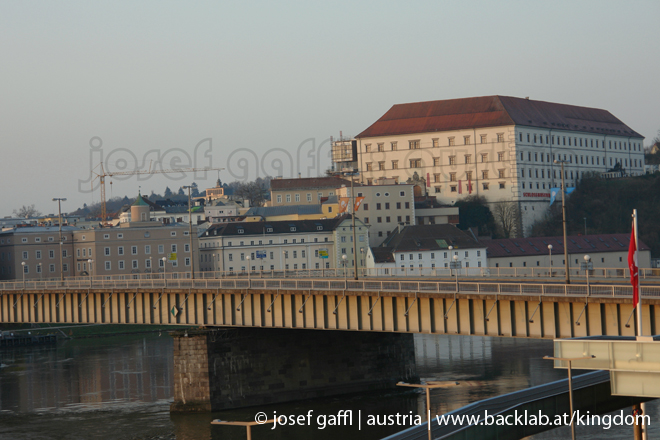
x=498, y=147
x=303, y=191
x=34, y=252
x=605, y=250
x=277, y=245
x=136, y=247
x=384, y=208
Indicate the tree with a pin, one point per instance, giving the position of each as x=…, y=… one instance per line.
x=473, y=212
x=251, y=191
x=27, y=212
x=194, y=192
x=168, y=192
x=506, y=216
x=181, y=192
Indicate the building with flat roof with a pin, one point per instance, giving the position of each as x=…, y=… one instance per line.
x=499, y=147
x=303, y=191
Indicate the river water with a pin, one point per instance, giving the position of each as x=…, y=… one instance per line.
x=120, y=387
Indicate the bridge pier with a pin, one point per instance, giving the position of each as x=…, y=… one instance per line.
x=232, y=368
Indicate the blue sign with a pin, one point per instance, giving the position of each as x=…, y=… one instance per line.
x=261, y=254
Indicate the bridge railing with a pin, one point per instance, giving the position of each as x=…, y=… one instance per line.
x=339, y=284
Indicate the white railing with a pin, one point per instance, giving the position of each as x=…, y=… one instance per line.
x=342, y=284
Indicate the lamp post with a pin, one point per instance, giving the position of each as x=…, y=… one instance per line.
x=192, y=257
x=23, y=270
x=41, y=272
x=59, y=201
x=362, y=260
x=248, y=269
x=587, y=259
x=164, y=260
x=550, y=250
x=353, y=172
x=428, y=387
x=563, y=214
x=89, y=263
x=455, y=257
x=284, y=265
x=570, y=384
x=451, y=268
x=343, y=261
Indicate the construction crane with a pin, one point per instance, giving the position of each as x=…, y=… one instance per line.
x=102, y=174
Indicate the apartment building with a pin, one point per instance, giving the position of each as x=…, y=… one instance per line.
x=303, y=191
x=384, y=208
x=34, y=252
x=502, y=148
x=277, y=245
x=412, y=248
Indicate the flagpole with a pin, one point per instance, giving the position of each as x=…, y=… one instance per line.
x=639, y=297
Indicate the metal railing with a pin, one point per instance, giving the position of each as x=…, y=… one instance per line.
x=340, y=284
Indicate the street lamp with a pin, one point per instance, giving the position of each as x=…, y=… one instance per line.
x=284, y=265
x=59, y=201
x=456, y=263
x=89, y=263
x=343, y=261
x=587, y=259
x=248, y=268
x=570, y=383
x=41, y=272
x=192, y=259
x=550, y=250
x=164, y=260
x=563, y=214
x=451, y=273
x=362, y=259
x=23, y=270
x=428, y=387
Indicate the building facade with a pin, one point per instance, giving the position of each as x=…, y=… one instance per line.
x=501, y=148
x=278, y=245
x=303, y=191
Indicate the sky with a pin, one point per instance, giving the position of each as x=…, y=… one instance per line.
x=258, y=88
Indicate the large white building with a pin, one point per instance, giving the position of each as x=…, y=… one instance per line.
x=498, y=147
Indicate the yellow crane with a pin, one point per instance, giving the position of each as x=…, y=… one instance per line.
x=102, y=174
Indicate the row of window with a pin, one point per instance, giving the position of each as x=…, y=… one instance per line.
x=582, y=160
x=402, y=256
x=469, y=188
x=388, y=219
x=261, y=242
x=38, y=268
x=579, y=142
x=286, y=267
x=421, y=266
x=365, y=206
x=134, y=249
x=435, y=142
x=319, y=196
x=418, y=163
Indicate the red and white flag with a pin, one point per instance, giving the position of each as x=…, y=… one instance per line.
x=634, y=268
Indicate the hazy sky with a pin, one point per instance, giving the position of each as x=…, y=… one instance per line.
x=188, y=83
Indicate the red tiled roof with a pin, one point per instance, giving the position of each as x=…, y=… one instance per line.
x=493, y=111
x=307, y=183
x=516, y=247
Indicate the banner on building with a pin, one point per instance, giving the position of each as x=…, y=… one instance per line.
x=343, y=204
x=358, y=202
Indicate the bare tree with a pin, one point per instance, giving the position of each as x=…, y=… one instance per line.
x=27, y=212
x=506, y=216
x=251, y=191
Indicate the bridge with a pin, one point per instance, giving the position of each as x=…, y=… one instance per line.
x=244, y=354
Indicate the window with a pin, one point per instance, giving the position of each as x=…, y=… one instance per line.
x=452, y=177
x=393, y=145
x=365, y=206
x=436, y=178
x=500, y=137
x=436, y=161
x=484, y=157
x=120, y=250
x=38, y=255
x=502, y=185
x=407, y=205
x=288, y=198
x=108, y=265
x=452, y=160
x=51, y=254
x=466, y=140
x=279, y=198
x=297, y=197
x=484, y=139
x=452, y=188
x=500, y=174
x=484, y=174
x=106, y=251
x=369, y=166
x=468, y=158
x=438, y=189
x=173, y=247
x=134, y=264
x=500, y=156
x=367, y=148
x=187, y=261
x=366, y=219
x=381, y=147
x=452, y=141
x=485, y=186
x=134, y=250
x=414, y=145
x=309, y=197
x=387, y=205
x=468, y=175
x=415, y=163
x=381, y=165
x=147, y=249
x=395, y=164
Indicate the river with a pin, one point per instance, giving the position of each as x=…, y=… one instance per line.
x=120, y=387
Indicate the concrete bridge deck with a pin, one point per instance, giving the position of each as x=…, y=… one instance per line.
x=519, y=309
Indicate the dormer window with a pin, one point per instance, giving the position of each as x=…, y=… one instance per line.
x=241, y=231
x=319, y=228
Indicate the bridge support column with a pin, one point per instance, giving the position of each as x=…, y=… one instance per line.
x=233, y=368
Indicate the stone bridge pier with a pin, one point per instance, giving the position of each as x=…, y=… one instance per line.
x=216, y=369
